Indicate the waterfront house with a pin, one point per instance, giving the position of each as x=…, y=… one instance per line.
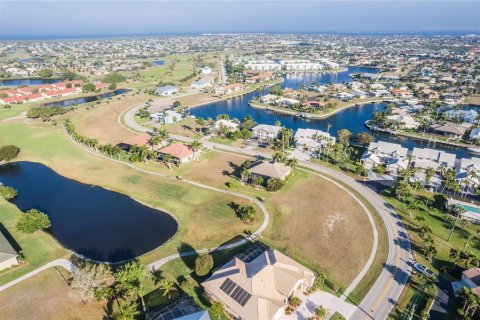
x=268, y=98
x=403, y=121
x=474, y=134
x=450, y=129
x=258, y=288
x=424, y=158
x=265, y=132
x=344, y=96
x=359, y=94
x=312, y=140
x=469, y=116
x=166, y=91
x=232, y=126
x=8, y=255
x=286, y=102
x=180, y=153
x=402, y=93
x=468, y=174
x=386, y=153
x=229, y=89
x=315, y=104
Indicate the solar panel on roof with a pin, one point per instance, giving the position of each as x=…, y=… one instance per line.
x=236, y=292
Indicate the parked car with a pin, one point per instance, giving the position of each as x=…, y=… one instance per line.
x=423, y=269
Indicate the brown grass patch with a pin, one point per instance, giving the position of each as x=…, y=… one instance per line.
x=318, y=221
x=196, y=99
x=45, y=296
x=101, y=122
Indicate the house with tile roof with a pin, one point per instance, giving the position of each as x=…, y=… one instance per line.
x=270, y=169
x=179, y=152
x=258, y=288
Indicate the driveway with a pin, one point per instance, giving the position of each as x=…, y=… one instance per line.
x=445, y=297
x=320, y=298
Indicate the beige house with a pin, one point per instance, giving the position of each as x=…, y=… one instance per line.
x=8, y=255
x=258, y=289
x=270, y=170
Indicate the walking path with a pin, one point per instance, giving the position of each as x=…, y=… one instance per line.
x=64, y=263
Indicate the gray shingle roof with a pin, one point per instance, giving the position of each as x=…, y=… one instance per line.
x=6, y=250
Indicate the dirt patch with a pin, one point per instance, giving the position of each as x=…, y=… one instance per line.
x=213, y=168
x=319, y=222
x=101, y=122
x=45, y=296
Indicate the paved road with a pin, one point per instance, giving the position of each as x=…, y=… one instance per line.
x=64, y=263
x=381, y=298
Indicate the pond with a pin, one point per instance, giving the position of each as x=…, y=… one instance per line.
x=76, y=101
x=352, y=118
x=27, y=82
x=100, y=224
x=158, y=63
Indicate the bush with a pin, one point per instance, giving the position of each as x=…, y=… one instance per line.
x=114, y=77
x=89, y=87
x=9, y=152
x=8, y=193
x=33, y=220
x=275, y=184
x=248, y=213
x=46, y=112
x=203, y=264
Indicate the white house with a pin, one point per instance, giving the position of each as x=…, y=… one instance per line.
x=474, y=134
x=166, y=90
x=404, y=121
x=166, y=117
x=268, y=98
x=265, y=132
x=312, y=139
x=206, y=70
x=424, y=158
x=201, y=83
x=386, y=153
x=8, y=255
x=232, y=126
x=286, y=102
x=469, y=116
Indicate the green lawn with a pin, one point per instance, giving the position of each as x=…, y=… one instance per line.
x=206, y=219
x=37, y=248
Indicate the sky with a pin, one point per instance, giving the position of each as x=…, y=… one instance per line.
x=40, y=19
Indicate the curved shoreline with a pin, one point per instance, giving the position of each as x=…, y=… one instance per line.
x=314, y=116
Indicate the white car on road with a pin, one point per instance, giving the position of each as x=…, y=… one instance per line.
x=423, y=269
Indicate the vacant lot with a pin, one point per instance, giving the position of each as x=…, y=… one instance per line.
x=318, y=222
x=101, y=122
x=45, y=296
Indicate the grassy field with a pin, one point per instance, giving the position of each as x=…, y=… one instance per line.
x=206, y=218
x=183, y=66
x=306, y=223
x=37, y=248
x=101, y=122
x=45, y=297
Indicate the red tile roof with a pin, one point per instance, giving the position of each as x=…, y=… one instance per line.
x=177, y=150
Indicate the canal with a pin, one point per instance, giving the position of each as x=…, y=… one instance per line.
x=352, y=118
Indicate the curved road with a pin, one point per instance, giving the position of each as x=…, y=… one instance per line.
x=386, y=290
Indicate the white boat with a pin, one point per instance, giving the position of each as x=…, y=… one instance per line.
x=473, y=149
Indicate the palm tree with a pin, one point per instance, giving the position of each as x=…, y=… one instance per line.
x=320, y=312
x=292, y=163
x=455, y=255
x=419, y=219
x=167, y=287
x=196, y=146
x=127, y=310
x=167, y=159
